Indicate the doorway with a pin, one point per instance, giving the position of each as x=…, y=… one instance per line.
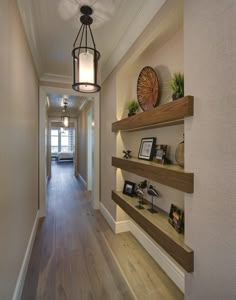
x=90, y=150
x=44, y=134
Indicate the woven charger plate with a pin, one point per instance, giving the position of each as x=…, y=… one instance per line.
x=147, y=88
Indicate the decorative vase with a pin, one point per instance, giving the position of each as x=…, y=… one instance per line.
x=179, y=154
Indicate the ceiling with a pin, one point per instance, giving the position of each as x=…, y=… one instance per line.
x=51, y=27
x=56, y=100
x=55, y=104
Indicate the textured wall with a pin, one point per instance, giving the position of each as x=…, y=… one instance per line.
x=19, y=146
x=210, y=75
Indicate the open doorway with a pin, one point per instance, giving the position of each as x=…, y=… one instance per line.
x=62, y=137
x=56, y=141
x=90, y=148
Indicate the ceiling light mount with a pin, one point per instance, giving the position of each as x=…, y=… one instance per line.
x=85, y=56
x=86, y=10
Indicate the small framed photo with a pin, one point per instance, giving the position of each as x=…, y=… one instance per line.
x=147, y=148
x=160, y=154
x=129, y=188
x=176, y=218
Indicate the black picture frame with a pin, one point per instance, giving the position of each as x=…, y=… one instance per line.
x=147, y=148
x=129, y=188
x=176, y=218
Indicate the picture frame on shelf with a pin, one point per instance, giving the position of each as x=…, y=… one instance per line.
x=129, y=188
x=176, y=218
x=147, y=148
x=160, y=154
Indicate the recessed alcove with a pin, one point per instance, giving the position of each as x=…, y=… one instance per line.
x=162, y=48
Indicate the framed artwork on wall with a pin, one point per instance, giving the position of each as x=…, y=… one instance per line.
x=147, y=148
x=176, y=218
x=129, y=188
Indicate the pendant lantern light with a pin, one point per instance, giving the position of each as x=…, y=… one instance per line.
x=65, y=118
x=85, y=56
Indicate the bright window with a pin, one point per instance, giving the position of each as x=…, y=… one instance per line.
x=62, y=140
x=54, y=141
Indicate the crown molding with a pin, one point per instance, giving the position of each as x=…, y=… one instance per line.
x=29, y=22
x=56, y=78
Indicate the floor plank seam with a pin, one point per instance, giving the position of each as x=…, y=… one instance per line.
x=119, y=267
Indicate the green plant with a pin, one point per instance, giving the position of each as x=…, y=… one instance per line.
x=177, y=85
x=132, y=106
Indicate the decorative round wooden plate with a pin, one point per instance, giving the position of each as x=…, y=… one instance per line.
x=147, y=88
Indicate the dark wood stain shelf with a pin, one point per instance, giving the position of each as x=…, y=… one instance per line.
x=171, y=175
x=159, y=229
x=168, y=114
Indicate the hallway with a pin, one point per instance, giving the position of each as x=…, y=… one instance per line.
x=77, y=256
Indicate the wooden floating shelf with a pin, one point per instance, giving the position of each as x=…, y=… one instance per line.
x=168, y=114
x=171, y=175
x=158, y=227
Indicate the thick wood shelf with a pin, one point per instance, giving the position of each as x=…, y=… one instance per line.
x=170, y=175
x=157, y=226
x=168, y=114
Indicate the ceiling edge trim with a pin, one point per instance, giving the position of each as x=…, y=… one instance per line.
x=29, y=28
x=56, y=78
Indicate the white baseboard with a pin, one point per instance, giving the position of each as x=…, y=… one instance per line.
x=24, y=267
x=83, y=181
x=108, y=217
x=117, y=227
x=171, y=268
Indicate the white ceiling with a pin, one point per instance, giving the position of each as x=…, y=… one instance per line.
x=56, y=100
x=51, y=27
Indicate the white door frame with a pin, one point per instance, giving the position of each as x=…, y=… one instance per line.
x=43, y=128
x=89, y=133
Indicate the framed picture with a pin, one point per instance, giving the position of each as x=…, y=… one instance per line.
x=147, y=148
x=129, y=188
x=176, y=218
x=160, y=154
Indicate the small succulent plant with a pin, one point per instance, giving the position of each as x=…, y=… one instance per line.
x=132, y=107
x=177, y=86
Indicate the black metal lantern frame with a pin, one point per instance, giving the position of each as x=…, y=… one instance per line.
x=85, y=56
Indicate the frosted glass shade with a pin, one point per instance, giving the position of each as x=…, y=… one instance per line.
x=66, y=121
x=86, y=70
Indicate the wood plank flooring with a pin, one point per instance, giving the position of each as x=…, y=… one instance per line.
x=76, y=256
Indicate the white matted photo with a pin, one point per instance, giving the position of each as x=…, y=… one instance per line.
x=146, y=150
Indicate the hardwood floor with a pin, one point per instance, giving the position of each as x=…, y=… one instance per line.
x=76, y=256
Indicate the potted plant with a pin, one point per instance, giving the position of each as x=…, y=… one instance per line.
x=132, y=107
x=177, y=86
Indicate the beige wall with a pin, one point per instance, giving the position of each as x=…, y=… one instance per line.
x=82, y=133
x=108, y=142
x=19, y=146
x=160, y=46
x=210, y=75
